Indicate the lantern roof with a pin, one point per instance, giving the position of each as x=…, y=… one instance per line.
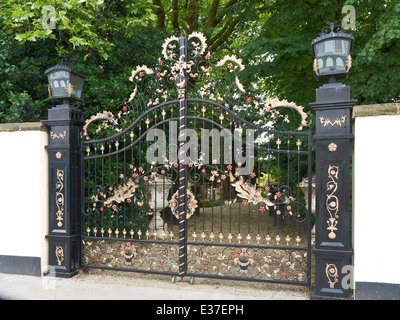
x=334, y=32
x=63, y=67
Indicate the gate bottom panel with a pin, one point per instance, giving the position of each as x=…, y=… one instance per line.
x=159, y=257
x=285, y=265
x=249, y=263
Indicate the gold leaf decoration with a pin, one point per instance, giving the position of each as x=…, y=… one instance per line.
x=316, y=67
x=348, y=63
x=122, y=192
x=248, y=191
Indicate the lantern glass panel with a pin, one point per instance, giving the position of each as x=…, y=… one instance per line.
x=332, y=55
x=58, y=82
x=77, y=83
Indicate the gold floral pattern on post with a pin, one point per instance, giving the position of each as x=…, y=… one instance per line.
x=332, y=201
x=328, y=121
x=60, y=196
x=61, y=135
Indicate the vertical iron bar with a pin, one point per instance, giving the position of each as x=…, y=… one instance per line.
x=288, y=182
x=182, y=195
x=124, y=230
x=257, y=158
x=269, y=175
x=94, y=191
x=279, y=190
x=102, y=187
x=88, y=197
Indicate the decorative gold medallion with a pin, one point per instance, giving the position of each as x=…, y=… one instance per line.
x=191, y=204
x=332, y=147
x=58, y=155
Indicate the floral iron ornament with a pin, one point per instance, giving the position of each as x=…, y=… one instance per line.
x=195, y=76
x=123, y=192
x=181, y=70
x=248, y=191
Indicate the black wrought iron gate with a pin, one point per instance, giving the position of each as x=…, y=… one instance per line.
x=195, y=176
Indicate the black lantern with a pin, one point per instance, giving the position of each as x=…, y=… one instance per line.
x=65, y=83
x=332, y=54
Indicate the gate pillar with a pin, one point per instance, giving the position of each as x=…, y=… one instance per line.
x=64, y=124
x=333, y=142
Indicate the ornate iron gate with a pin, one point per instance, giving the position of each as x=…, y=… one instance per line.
x=195, y=176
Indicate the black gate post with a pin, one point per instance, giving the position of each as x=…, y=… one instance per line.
x=64, y=124
x=333, y=142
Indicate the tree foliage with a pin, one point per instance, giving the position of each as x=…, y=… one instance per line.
x=79, y=25
x=282, y=58
x=102, y=39
x=376, y=69
x=219, y=20
x=105, y=39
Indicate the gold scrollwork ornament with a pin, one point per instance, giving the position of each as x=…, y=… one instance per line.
x=332, y=201
x=332, y=274
x=59, y=255
x=60, y=196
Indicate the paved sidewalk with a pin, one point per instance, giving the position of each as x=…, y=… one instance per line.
x=103, y=286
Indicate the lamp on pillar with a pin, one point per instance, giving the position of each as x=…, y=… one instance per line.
x=332, y=54
x=64, y=124
x=65, y=83
x=333, y=111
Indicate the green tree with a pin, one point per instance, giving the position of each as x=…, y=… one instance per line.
x=102, y=39
x=79, y=25
x=281, y=54
x=220, y=20
x=376, y=69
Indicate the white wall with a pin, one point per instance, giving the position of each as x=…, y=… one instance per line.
x=376, y=199
x=24, y=193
